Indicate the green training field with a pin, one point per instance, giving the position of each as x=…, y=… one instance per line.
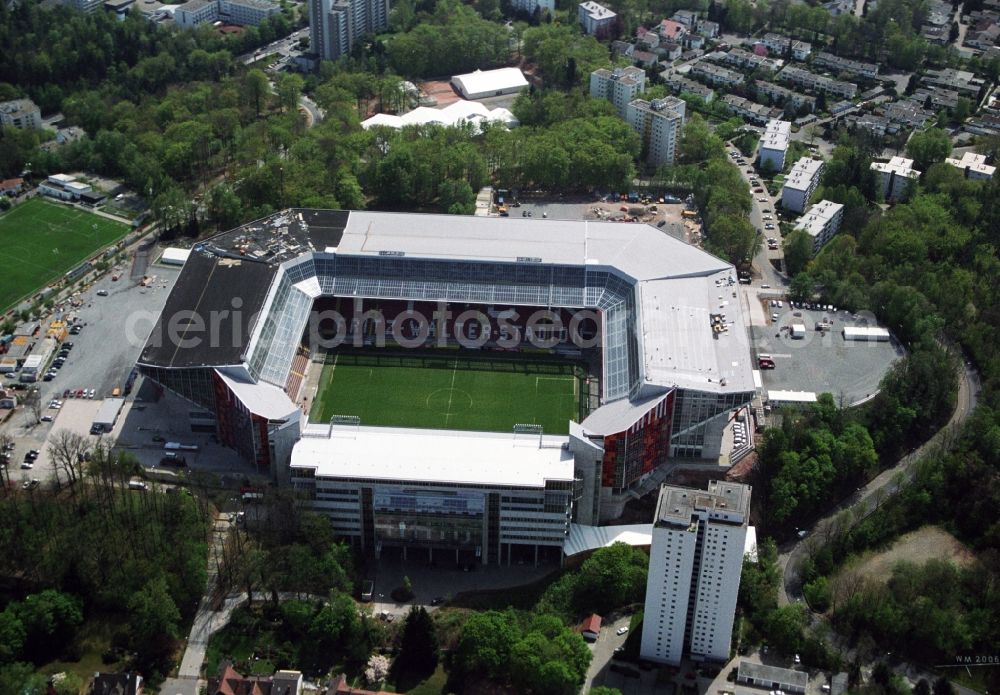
x=42, y=240
x=459, y=393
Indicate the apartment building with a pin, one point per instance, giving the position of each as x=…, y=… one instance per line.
x=659, y=123
x=695, y=563
x=619, y=86
x=818, y=83
x=961, y=81
x=801, y=50
x=774, y=143
x=20, y=113
x=783, y=95
x=974, y=166
x=801, y=182
x=751, y=111
x=85, y=6
x=837, y=64
x=821, y=222
x=716, y=75
x=748, y=60
x=334, y=25
x=776, y=43
x=596, y=20
x=247, y=13
x=531, y=6
x=678, y=84
x=895, y=177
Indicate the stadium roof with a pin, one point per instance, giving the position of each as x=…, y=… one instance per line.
x=435, y=456
x=670, y=316
x=583, y=538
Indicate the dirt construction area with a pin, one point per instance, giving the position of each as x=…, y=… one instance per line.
x=927, y=543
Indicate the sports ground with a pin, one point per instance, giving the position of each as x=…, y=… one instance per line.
x=445, y=392
x=42, y=240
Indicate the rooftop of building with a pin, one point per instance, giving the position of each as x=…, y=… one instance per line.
x=596, y=11
x=692, y=331
x=447, y=457
x=901, y=166
x=817, y=217
x=803, y=174
x=772, y=674
x=17, y=106
x=973, y=162
x=491, y=80
x=627, y=75
x=776, y=135
x=677, y=505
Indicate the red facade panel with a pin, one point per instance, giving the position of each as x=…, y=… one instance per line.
x=634, y=452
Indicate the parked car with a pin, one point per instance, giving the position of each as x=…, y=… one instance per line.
x=621, y=631
x=102, y=293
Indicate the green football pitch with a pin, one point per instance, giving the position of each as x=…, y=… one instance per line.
x=42, y=240
x=459, y=393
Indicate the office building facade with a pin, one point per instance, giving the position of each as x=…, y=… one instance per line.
x=696, y=559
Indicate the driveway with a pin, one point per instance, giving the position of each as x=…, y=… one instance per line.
x=603, y=649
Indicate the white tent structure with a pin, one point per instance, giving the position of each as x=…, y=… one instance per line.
x=490, y=83
x=459, y=113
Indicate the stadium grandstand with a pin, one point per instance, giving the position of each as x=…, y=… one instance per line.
x=508, y=428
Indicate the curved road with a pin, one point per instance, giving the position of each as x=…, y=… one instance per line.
x=888, y=482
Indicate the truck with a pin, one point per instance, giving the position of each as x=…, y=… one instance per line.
x=689, y=214
x=798, y=331
x=177, y=446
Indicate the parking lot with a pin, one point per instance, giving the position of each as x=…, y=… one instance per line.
x=115, y=328
x=820, y=361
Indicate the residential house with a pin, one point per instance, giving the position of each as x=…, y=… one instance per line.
x=679, y=84
x=646, y=39
x=596, y=20
x=782, y=96
x=286, y=683
x=935, y=34
x=801, y=50
x=842, y=107
x=936, y=98
x=961, y=81
x=708, y=28
x=874, y=124
x=129, y=683
x=672, y=31
x=591, y=628
x=645, y=58
x=695, y=41
x=747, y=60
x=821, y=222
x=619, y=86
x=716, y=75
x=974, y=166
x=340, y=686
x=908, y=114
x=817, y=83
x=837, y=64
x=11, y=187
x=669, y=51
x=752, y=112
x=63, y=187
x=897, y=177
x=532, y=6
x=839, y=7
x=688, y=18
x=776, y=43
x=622, y=49
x=20, y=113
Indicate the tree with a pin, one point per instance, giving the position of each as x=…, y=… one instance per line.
x=698, y=142
x=256, y=89
x=153, y=617
x=784, y=626
x=289, y=90
x=377, y=670
x=32, y=404
x=67, y=450
x=418, y=648
x=485, y=644
x=928, y=147
x=12, y=636
x=798, y=248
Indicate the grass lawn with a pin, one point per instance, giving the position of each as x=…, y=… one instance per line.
x=461, y=393
x=42, y=240
x=92, y=640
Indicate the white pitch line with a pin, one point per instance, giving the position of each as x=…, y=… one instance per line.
x=451, y=392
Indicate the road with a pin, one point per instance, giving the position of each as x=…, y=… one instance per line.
x=313, y=112
x=762, y=261
x=885, y=484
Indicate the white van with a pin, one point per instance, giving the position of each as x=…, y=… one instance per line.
x=137, y=485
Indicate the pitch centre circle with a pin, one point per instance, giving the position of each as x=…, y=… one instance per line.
x=448, y=401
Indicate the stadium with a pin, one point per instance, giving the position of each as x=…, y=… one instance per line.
x=465, y=385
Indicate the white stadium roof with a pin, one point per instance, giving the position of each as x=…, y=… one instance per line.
x=435, y=456
x=583, y=538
